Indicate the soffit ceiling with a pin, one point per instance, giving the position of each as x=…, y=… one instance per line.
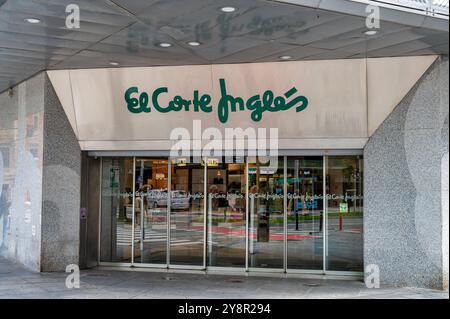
x=128, y=32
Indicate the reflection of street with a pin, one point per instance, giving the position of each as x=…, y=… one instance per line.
x=124, y=236
x=345, y=246
x=304, y=244
x=235, y=198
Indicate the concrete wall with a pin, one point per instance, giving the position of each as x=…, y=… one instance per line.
x=39, y=174
x=21, y=144
x=405, y=195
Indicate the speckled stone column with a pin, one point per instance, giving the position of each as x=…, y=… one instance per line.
x=406, y=219
x=60, y=188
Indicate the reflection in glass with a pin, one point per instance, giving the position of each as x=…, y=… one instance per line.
x=305, y=213
x=345, y=213
x=187, y=214
x=340, y=223
x=266, y=225
x=150, y=232
x=226, y=214
x=116, y=207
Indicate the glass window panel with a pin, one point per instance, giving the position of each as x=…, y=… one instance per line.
x=345, y=213
x=266, y=214
x=305, y=213
x=150, y=232
x=226, y=214
x=187, y=214
x=116, y=207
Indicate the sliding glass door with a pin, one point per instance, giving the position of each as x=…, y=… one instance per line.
x=266, y=214
x=304, y=213
x=187, y=214
x=116, y=210
x=226, y=185
x=345, y=213
x=150, y=211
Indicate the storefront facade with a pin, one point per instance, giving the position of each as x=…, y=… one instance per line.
x=226, y=211
x=347, y=191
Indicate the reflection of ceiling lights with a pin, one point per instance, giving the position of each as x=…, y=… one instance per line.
x=113, y=63
x=165, y=45
x=212, y=162
x=285, y=57
x=181, y=161
x=194, y=43
x=370, y=32
x=228, y=9
x=32, y=20
x=159, y=176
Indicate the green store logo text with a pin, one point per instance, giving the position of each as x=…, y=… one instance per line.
x=257, y=104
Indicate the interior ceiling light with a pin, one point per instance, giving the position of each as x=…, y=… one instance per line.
x=113, y=63
x=32, y=20
x=165, y=45
x=285, y=57
x=194, y=43
x=228, y=9
x=370, y=32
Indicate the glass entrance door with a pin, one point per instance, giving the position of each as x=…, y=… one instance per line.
x=266, y=213
x=226, y=185
x=187, y=214
x=305, y=213
x=150, y=211
x=344, y=247
x=116, y=210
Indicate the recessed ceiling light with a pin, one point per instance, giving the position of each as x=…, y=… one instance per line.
x=194, y=43
x=32, y=20
x=285, y=57
x=165, y=45
x=228, y=9
x=370, y=32
x=113, y=63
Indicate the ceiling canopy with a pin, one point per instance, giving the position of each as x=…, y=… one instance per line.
x=136, y=33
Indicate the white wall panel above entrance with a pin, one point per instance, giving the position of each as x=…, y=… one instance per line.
x=313, y=104
x=336, y=108
x=389, y=80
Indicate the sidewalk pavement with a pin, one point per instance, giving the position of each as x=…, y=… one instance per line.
x=16, y=282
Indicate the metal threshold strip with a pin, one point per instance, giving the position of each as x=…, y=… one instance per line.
x=300, y=274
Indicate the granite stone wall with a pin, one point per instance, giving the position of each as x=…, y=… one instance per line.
x=406, y=166
x=60, y=229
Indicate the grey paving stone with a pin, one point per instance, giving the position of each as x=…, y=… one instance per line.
x=101, y=284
